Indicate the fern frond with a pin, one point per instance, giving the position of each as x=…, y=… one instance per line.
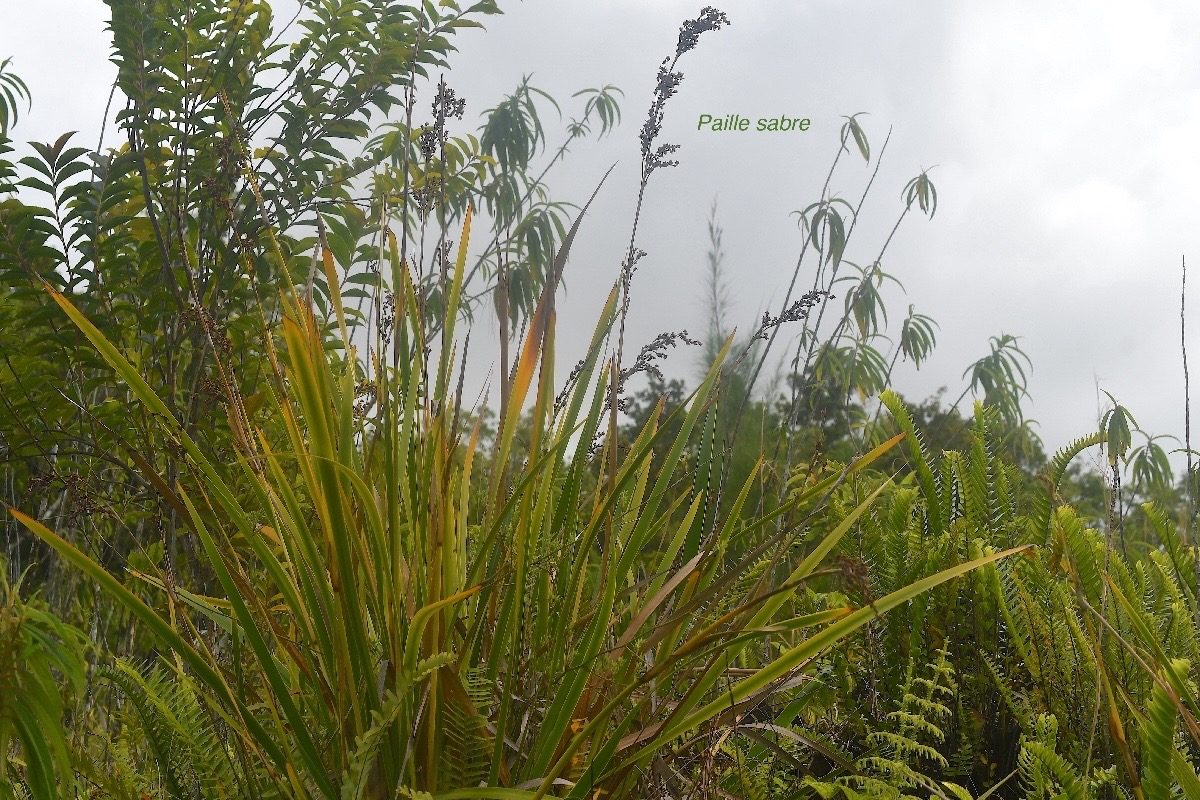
x=1185, y=775
x=978, y=476
x=362, y=760
x=916, y=448
x=1158, y=740
x=1044, y=773
x=191, y=759
x=1086, y=551
x=1043, y=502
x=954, y=491
x=466, y=753
x=1181, y=557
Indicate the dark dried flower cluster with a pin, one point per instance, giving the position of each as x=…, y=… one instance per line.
x=198, y=316
x=669, y=78
x=387, y=316
x=645, y=362
x=856, y=575
x=595, y=447
x=668, y=85
x=441, y=256
x=561, y=400
x=427, y=194
x=629, y=265
x=446, y=105
x=659, y=158
x=796, y=312
x=365, y=394
x=428, y=142
x=82, y=499
x=211, y=388
x=655, y=351
x=689, y=32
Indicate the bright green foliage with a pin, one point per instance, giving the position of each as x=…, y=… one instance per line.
x=40, y=657
x=392, y=601
x=1044, y=635
x=921, y=190
x=1044, y=773
x=231, y=405
x=241, y=152
x=174, y=240
x=1000, y=377
x=908, y=744
x=1158, y=740
x=917, y=338
x=12, y=91
x=181, y=749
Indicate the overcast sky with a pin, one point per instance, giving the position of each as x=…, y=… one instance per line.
x=1064, y=137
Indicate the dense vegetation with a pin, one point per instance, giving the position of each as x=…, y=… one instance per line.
x=258, y=544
